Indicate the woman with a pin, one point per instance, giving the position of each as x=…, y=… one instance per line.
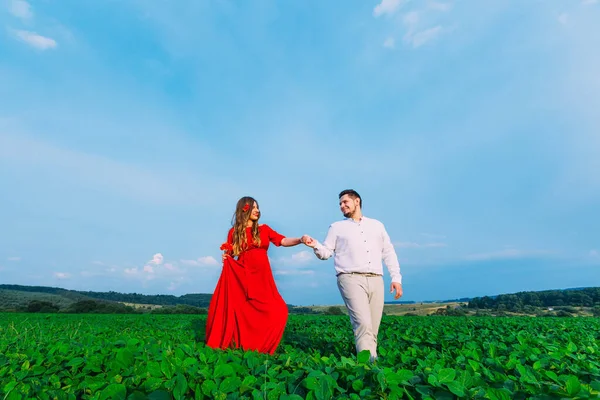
x=246, y=310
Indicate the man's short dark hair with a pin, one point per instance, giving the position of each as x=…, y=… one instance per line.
x=351, y=193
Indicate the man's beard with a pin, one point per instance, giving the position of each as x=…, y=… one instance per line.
x=349, y=214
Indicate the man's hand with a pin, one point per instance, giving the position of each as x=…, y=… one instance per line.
x=307, y=240
x=225, y=255
x=398, y=287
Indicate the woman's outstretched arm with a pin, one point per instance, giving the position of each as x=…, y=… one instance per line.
x=289, y=242
x=280, y=240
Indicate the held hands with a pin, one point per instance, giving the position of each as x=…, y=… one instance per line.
x=398, y=287
x=307, y=240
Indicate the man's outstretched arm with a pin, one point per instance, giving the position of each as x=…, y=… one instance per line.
x=326, y=249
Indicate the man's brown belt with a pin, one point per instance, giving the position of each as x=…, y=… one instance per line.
x=369, y=274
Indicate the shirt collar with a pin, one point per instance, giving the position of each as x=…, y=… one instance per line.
x=362, y=219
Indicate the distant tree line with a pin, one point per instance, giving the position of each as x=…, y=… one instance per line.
x=104, y=307
x=52, y=299
x=451, y=311
x=11, y=300
x=300, y=310
x=585, y=297
x=196, y=299
x=179, y=309
x=79, y=307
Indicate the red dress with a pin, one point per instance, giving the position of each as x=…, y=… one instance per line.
x=246, y=309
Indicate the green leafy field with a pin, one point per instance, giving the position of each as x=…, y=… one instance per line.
x=163, y=356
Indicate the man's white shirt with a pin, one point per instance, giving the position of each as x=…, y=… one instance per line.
x=360, y=246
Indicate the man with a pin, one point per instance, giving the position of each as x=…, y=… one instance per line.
x=360, y=244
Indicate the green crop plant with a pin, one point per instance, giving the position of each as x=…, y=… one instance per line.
x=91, y=356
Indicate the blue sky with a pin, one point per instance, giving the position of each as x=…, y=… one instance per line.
x=128, y=130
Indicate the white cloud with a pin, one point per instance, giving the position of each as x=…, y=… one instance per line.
x=201, y=261
x=413, y=245
x=588, y=2
x=97, y=263
x=35, y=40
x=389, y=43
x=62, y=275
x=411, y=19
x=508, y=253
x=594, y=253
x=294, y=265
x=208, y=260
x=90, y=274
x=505, y=254
x=420, y=38
x=20, y=9
x=433, y=236
x=14, y=258
x=563, y=18
x=293, y=272
x=302, y=257
x=386, y=7
x=175, y=284
x=157, y=259
x=434, y=5
x=160, y=269
x=101, y=272
x=415, y=35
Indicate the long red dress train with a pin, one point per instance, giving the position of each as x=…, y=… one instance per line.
x=246, y=309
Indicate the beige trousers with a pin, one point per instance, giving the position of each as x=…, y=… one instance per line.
x=364, y=298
